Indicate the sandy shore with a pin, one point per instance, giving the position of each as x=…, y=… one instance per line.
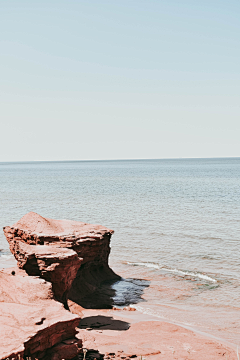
x=121, y=334
x=118, y=334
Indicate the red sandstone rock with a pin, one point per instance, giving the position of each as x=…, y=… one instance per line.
x=90, y=242
x=59, y=255
x=57, y=265
x=75, y=308
x=32, y=322
x=35, y=229
x=66, y=350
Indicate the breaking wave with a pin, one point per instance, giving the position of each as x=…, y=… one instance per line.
x=175, y=271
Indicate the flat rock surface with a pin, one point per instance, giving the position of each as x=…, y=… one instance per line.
x=125, y=335
x=37, y=224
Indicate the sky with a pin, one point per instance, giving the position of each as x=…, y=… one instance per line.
x=129, y=79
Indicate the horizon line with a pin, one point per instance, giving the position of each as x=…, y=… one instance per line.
x=132, y=159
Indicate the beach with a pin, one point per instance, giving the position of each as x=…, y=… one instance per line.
x=175, y=241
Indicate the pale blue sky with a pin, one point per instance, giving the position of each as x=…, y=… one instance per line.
x=119, y=79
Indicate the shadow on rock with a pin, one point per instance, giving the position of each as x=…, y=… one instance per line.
x=103, y=323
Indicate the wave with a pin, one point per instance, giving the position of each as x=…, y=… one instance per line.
x=176, y=271
x=148, y=311
x=161, y=314
x=193, y=274
x=150, y=265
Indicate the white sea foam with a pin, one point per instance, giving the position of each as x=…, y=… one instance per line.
x=150, y=265
x=176, y=271
x=147, y=311
x=161, y=313
x=189, y=273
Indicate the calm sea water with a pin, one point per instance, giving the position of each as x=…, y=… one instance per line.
x=176, y=222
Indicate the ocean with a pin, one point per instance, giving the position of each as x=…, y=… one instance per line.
x=176, y=223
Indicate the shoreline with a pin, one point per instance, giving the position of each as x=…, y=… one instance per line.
x=173, y=299
x=65, y=264
x=194, y=329
x=137, y=316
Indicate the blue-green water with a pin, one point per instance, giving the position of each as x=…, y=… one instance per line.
x=172, y=218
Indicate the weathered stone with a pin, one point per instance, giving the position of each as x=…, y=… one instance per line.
x=57, y=265
x=31, y=320
x=62, y=258
x=90, y=242
x=66, y=350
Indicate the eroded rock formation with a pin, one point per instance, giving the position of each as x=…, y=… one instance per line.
x=57, y=265
x=57, y=260
x=90, y=242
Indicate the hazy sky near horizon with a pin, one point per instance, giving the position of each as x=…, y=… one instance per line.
x=119, y=79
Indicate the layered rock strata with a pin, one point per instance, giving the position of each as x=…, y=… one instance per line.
x=90, y=242
x=56, y=265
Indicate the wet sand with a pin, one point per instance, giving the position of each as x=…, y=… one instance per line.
x=182, y=300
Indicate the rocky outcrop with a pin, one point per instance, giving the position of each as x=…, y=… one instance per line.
x=56, y=265
x=32, y=322
x=60, y=262
x=90, y=242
